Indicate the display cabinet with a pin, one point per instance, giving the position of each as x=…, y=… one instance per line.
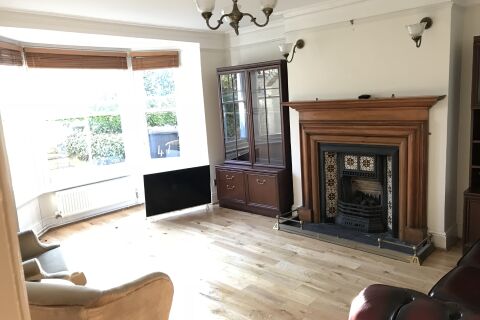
x=256, y=174
x=471, y=218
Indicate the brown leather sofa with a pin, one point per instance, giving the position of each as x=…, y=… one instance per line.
x=455, y=296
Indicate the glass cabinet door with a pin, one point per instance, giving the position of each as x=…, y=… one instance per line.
x=235, y=117
x=267, y=121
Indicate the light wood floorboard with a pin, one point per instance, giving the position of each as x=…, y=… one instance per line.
x=227, y=264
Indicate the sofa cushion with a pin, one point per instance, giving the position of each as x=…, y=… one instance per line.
x=52, y=261
x=461, y=285
x=430, y=309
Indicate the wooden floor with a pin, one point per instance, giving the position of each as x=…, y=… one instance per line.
x=227, y=264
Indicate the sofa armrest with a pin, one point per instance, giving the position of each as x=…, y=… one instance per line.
x=147, y=298
x=30, y=246
x=61, y=293
x=32, y=270
x=380, y=302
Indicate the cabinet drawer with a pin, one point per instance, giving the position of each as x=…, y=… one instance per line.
x=231, y=190
x=230, y=185
x=262, y=190
x=232, y=176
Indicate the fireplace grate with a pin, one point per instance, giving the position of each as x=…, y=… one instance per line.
x=360, y=218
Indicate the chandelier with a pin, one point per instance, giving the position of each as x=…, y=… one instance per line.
x=205, y=7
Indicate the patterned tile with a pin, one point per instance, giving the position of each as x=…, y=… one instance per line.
x=390, y=193
x=331, y=191
x=351, y=162
x=367, y=163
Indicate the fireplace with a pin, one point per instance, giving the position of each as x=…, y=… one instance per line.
x=364, y=169
x=359, y=187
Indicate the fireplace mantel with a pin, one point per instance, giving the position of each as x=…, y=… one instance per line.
x=400, y=122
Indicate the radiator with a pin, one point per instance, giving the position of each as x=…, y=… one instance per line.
x=95, y=196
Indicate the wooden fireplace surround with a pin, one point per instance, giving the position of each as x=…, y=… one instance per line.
x=400, y=122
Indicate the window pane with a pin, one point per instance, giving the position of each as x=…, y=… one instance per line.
x=107, y=144
x=83, y=124
x=68, y=143
x=163, y=134
x=271, y=79
x=161, y=116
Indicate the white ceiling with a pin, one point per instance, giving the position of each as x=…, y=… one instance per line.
x=164, y=13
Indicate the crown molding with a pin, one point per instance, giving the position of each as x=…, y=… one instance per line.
x=274, y=31
x=322, y=6
x=351, y=9
x=29, y=20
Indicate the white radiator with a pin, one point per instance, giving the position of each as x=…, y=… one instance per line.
x=95, y=196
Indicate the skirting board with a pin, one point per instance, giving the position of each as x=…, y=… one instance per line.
x=51, y=223
x=445, y=240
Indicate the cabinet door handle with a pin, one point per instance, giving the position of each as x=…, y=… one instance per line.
x=261, y=181
x=229, y=177
x=229, y=187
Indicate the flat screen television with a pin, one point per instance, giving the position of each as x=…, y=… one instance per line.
x=175, y=190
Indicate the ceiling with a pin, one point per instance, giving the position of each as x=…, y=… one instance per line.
x=163, y=13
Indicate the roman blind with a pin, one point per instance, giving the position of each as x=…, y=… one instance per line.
x=75, y=59
x=144, y=60
x=10, y=55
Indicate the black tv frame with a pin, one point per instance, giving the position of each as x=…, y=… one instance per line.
x=175, y=190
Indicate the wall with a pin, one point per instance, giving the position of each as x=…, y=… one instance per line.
x=212, y=59
x=471, y=28
x=376, y=56
x=13, y=297
x=456, y=33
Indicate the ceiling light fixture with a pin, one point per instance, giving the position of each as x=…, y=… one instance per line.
x=416, y=30
x=287, y=47
x=205, y=7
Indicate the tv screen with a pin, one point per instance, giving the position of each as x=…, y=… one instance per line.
x=175, y=190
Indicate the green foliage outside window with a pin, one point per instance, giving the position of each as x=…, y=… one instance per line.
x=108, y=147
x=105, y=124
x=76, y=146
x=160, y=119
x=106, y=140
x=158, y=83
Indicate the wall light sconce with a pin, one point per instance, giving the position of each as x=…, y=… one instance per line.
x=416, y=30
x=287, y=47
x=205, y=7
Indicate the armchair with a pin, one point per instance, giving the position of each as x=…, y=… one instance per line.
x=41, y=261
x=147, y=298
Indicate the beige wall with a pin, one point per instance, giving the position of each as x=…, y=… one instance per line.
x=471, y=28
x=456, y=34
x=13, y=300
x=375, y=56
x=212, y=59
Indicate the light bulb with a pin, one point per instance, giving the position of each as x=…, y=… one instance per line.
x=268, y=4
x=205, y=5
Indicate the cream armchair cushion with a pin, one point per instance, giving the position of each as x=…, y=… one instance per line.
x=147, y=298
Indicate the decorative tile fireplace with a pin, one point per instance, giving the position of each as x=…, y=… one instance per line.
x=359, y=187
x=364, y=168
